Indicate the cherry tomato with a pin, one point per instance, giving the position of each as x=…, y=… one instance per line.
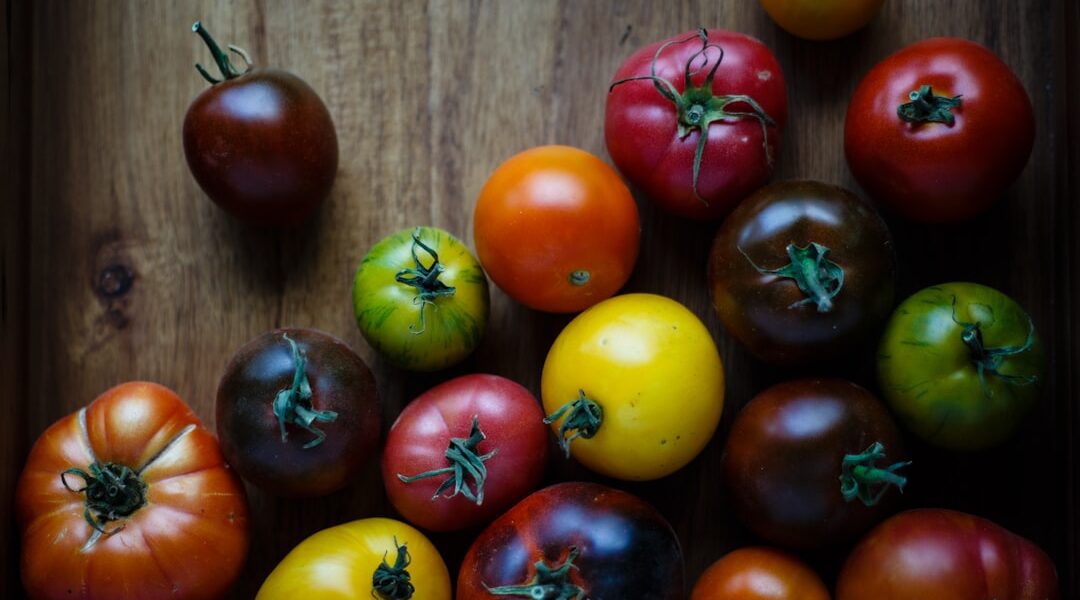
x=802, y=272
x=260, y=143
x=556, y=229
x=465, y=451
x=695, y=120
x=575, y=540
x=759, y=574
x=297, y=412
x=130, y=498
x=821, y=19
x=939, y=130
x=634, y=387
x=370, y=558
x=810, y=463
x=934, y=554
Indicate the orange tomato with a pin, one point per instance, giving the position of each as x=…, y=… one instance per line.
x=759, y=574
x=821, y=19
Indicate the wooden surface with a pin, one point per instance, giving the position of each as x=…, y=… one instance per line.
x=428, y=97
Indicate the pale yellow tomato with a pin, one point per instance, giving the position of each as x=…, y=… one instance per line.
x=821, y=19
x=634, y=387
x=341, y=562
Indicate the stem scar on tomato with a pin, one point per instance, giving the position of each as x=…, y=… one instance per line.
x=293, y=404
x=464, y=461
x=549, y=583
x=925, y=107
x=393, y=582
x=818, y=277
x=861, y=478
x=697, y=107
x=583, y=418
x=425, y=280
x=228, y=71
x=112, y=492
x=990, y=360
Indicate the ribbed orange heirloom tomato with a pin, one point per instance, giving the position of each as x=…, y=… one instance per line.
x=130, y=498
x=557, y=229
x=759, y=573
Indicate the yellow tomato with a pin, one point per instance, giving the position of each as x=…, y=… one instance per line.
x=341, y=562
x=634, y=387
x=821, y=19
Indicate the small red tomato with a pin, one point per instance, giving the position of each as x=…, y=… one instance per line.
x=465, y=451
x=939, y=130
x=260, y=143
x=759, y=573
x=695, y=120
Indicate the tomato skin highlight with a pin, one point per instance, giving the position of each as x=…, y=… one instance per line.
x=821, y=20
x=759, y=573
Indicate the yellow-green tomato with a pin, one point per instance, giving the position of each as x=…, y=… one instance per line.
x=634, y=387
x=421, y=299
x=370, y=558
x=821, y=19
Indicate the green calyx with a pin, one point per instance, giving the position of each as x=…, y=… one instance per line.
x=393, y=582
x=697, y=107
x=549, y=583
x=425, y=279
x=292, y=405
x=925, y=107
x=861, y=478
x=818, y=277
x=112, y=492
x=464, y=463
x=989, y=361
x=228, y=71
x=583, y=420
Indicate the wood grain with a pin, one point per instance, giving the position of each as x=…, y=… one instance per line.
x=428, y=98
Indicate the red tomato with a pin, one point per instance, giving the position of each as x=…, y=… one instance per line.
x=937, y=131
x=130, y=497
x=759, y=574
x=667, y=93
x=465, y=451
x=934, y=554
x=556, y=229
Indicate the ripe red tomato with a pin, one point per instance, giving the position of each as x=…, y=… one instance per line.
x=665, y=95
x=465, y=451
x=260, y=143
x=759, y=574
x=297, y=412
x=130, y=498
x=575, y=540
x=556, y=229
x=938, y=131
x=934, y=554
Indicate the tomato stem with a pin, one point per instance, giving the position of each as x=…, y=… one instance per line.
x=393, y=582
x=425, y=280
x=925, y=107
x=112, y=492
x=861, y=478
x=228, y=71
x=818, y=277
x=989, y=361
x=293, y=404
x=549, y=583
x=583, y=419
x=464, y=461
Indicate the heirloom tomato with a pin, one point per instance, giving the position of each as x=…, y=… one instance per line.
x=261, y=143
x=802, y=272
x=464, y=451
x=939, y=130
x=130, y=498
x=809, y=463
x=634, y=387
x=961, y=365
x=575, y=540
x=821, y=19
x=934, y=554
x=370, y=558
x=759, y=573
x=556, y=229
x=297, y=412
x=695, y=120
x=421, y=299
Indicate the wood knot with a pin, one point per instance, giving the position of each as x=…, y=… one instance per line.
x=114, y=281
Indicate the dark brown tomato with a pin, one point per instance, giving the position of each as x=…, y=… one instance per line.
x=810, y=463
x=802, y=272
x=260, y=143
x=297, y=412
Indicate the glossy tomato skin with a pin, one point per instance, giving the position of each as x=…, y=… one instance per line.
x=759, y=573
x=513, y=427
x=262, y=146
x=250, y=431
x=930, y=376
x=821, y=20
x=652, y=367
x=932, y=171
x=769, y=314
x=407, y=331
x=627, y=551
x=935, y=554
x=188, y=540
x=783, y=461
x=338, y=563
x=557, y=229
x=641, y=126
